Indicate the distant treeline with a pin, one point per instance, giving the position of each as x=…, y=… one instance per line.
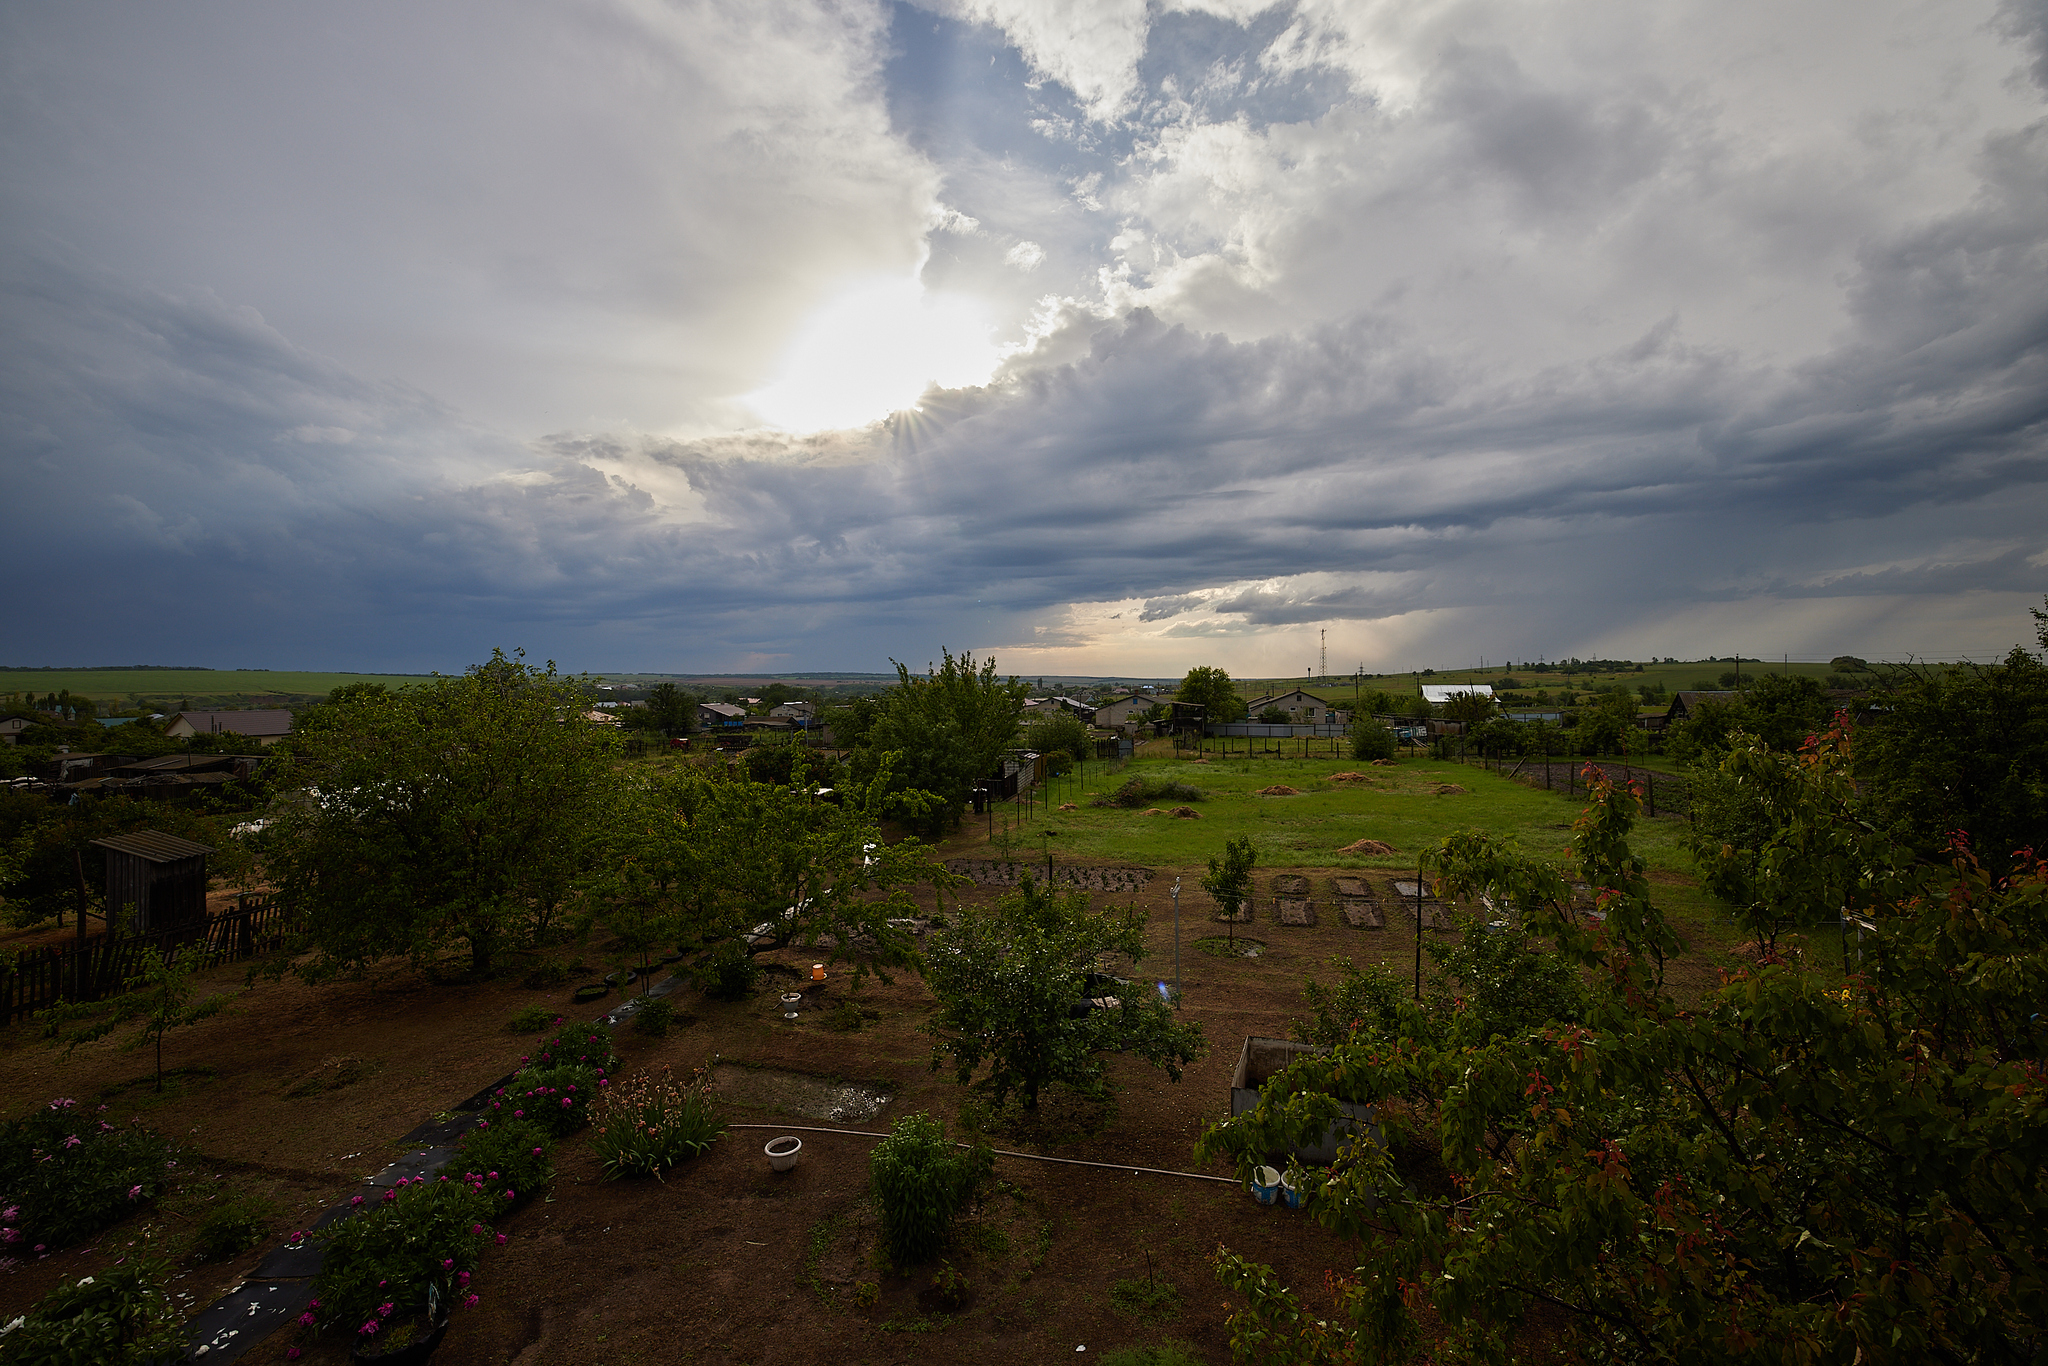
x=99, y=668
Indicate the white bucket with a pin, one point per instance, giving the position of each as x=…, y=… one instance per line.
x=1265, y=1184
x=782, y=1151
x=1290, y=1192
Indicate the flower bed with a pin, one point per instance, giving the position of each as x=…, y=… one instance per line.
x=649, y=1123
x=65, y=1174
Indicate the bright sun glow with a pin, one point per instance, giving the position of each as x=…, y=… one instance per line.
x=873, y=351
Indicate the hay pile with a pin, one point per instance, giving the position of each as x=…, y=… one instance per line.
x=1350, y=777
x=1371, y=847
x=1279, y=790
x=1448, y=789
x=1186, y=813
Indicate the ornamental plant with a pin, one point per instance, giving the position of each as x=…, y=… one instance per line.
x=117, y=1317
x=587, y=1045
x=383, y=1261
x=66, y=1173
x=508, y=1156
x=921, y=1181
x=650, y=1122
x=556, y=1099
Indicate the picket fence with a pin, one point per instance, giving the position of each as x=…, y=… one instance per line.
x=99, y=967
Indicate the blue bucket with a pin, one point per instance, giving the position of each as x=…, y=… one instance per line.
x=1265, y=1185
x=1290, y=1192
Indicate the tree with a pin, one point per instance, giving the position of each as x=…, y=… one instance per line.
x=1012, y=979
x=1469, y=708
x=949, y=730
x=1370, y=739
x=456, y=811
x=1963, y=748
x=1212, y=690
x=160, y=997
x=1792, y=1169
x=1060, y=733
x=670, y=710
x=1273, y=716
x=1229, y=883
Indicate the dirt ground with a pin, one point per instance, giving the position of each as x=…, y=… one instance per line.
x=296, y=1093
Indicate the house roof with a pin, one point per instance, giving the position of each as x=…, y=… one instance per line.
x=255, y=723
x=1434, y=693
x=154, y=846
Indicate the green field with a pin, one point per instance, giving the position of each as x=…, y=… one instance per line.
x=203, y=688
x=1672, y=677
x=1399, y=805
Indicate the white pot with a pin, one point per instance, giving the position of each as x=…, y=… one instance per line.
x=782, y=1151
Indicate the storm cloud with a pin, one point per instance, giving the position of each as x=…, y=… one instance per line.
x=1450, y=330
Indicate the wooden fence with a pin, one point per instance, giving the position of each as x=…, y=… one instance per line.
x=99, y=967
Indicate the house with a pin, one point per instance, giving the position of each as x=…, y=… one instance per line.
x=1123, y=711
x=802, y=713
x=12, y=727
x=1302, y=708
x=716, y=715
x=602, y=718
x=269, y=726
x=1687, y=704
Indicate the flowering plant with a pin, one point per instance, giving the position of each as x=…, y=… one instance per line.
x=587, y=1044
x=116, y=1317
x=510, y=1158
x=653, y=1121
x=384, y=1262
x=556, y=1098
x=66, y=1173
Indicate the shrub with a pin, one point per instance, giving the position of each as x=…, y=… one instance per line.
x=1370, y=739
x=65, y=1175
x=230, y=1229
x=728, y=974
x=551, y=973
x=653, y=1017
x=1146, y=1297
x=648, y=1123
x=1137, y=792
x=921, y=1181
x=1062, y=733
x=588, y=1044
x=381, y=1261
x=1169, y=1353
x=556, y=1100
x=116, y=1317
x=533, y=1019
x=510, y=1155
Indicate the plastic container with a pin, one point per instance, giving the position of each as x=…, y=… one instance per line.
x=1265, y=1185
x=782, y=1151
x=1290, y=1192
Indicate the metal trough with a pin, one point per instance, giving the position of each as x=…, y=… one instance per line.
x=1260, y=1061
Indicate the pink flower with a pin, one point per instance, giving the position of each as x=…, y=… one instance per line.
x=567, y=1103
x=476, y=1228
x=447, y=1262
x=314, y=1305
x=462, y=1278
x=291, y=1354
x=509, y=1192
x=536, y=1152
x=501, y=1242
x=469, y=1303
x=62, y=1103
x=384, y=1310
x=483, y=1124
x=306, y=1319
x=73, y=1141
x=519, y=1114
x=135, y=1192
x=369, y=1327
x=356, y=1200
x=11, y=1212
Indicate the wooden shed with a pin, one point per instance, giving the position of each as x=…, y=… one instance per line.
x=154, y=882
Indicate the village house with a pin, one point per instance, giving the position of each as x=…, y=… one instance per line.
x=1302, y=708
x=268, y=725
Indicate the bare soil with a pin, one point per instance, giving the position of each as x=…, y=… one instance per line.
x=298, y=1093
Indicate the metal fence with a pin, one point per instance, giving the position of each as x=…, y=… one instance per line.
x=100, y=967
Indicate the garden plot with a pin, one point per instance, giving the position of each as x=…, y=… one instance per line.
x=800, y=1093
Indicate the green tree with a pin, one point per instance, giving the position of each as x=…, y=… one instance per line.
x=1961, y=749
x=1229, y=883
x=160, y=998
x=949, y=730
x=1212, y=689
x=670, y=710
x=1370, y=738
x=1793, y=1169
x=1060, y=733
x=1469, y=708
x=1273, y=716
x=921, y=1182
x=457, y=811
x=1009, y=978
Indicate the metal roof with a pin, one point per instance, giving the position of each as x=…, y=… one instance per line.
x=155, y=846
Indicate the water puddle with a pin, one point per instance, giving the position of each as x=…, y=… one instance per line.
x=800, y=1093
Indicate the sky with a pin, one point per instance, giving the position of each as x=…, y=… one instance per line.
x=1104, y=336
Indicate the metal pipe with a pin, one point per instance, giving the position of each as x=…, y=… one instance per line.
x=1004, y=1152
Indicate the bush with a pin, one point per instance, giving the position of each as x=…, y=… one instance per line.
x=381, y=1261
x=65, y=1175
x=1370, y=739
x=233, y=1228
x=729, y=974
x=647, y=1123
x=1137, y=792
x=1059, y=734
x=116, y=1317
x=921, y=1181
x=557, y=1100
x=653, y=1017
x=587, y=1044
x=534, y=1019
x=506, y=1156
x=551, y=973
